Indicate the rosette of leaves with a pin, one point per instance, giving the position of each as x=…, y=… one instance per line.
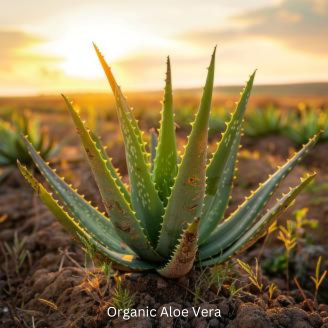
x=12, y=146
x=172, y=215
x=265, y=121
x=305, y=122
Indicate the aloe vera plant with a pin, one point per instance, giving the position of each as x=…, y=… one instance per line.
x=171, y=217
x=266, y=121
x=305, y=122
x=12, y=147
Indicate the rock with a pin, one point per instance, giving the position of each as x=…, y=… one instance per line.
x=315, y=320
x=250, y=316
x=289, y=318
x=283, y=301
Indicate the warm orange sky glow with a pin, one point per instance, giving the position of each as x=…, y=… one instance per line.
x=47, y=46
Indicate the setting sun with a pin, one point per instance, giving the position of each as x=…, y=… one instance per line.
x=77, y=54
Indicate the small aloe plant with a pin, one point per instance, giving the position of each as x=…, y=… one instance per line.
x=12, y=147
x=172, y=215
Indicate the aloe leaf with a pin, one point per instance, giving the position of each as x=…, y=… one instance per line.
x=184, y=255
x=125, y=260
x=52, y=204
x=126, y=223
x=120, y=255
x=75, y=227
x=127, y=229
x=121, y=101
x=166, y=160
x=108, y=181
x=220, y=171
x=113, y=171
x=48, y=150
x=239, y=221
x=153, y=146
x=144, y=197
x=186, y=199
x=260, y=227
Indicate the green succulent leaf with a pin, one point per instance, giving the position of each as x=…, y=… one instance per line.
x=12, y=147
x=153, y=146
x=53, y=205
x=166, y=161
x=86, y=215
x=121, y=101
x=220, y=172
x=118, y=254
x=185, y=253
x=239, y=222
x=113, y=171
x=186, y=199
x=127, y=225
x=144, y=197
x=96, y=223
x=260, y=227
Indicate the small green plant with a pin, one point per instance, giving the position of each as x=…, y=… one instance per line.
x=221, y=274
x=121, y=297
x=305, y=122
x=172, y=216
x=318, y=278
x=17, y=252
x=254, y=275
x=234, y=290
x=286, y=235
x=262, y=122
x=12, y=147
x=295, y=237
x=200, y=287
x=272, y=288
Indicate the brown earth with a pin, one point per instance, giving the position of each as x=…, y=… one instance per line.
x=53, y=288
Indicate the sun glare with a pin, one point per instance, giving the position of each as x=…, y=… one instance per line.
x=76, y=54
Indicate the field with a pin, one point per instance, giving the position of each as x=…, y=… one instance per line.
x=48, y=280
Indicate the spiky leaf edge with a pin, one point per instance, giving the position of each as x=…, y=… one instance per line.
x=220, y=171
x=260, y=227
x=243, y=217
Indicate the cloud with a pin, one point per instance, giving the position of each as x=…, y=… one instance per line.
x=297, y=24
x=14, y=49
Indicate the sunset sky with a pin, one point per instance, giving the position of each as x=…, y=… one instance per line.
x=46, y=46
